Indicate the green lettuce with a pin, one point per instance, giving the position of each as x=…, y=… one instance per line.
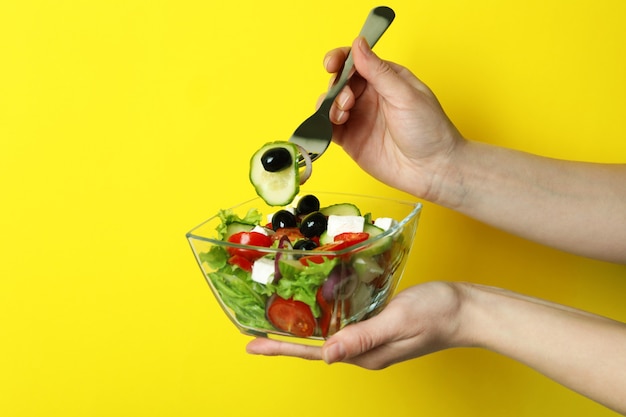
x=228, y=216
x=236, y=289
x=240, y=294
x=215, y=258
x=302, y=284
x=246, y=298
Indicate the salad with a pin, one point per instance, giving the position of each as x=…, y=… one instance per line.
x=275, y=171
x=305, y=270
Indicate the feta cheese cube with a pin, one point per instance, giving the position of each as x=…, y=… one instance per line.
x=263, y=271
x=384, y=222
x=344, y=224
x=260, y=229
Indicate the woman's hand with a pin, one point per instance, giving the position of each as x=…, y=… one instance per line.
x=390, y=123
x=582, y=351
x=420, y=320
x=393, y=126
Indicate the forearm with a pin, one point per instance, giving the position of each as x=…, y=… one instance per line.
x=574, y=206
x=582, y=351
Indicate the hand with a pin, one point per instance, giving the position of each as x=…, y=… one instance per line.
x=420, y=320
x=390, y=123
x=393, y=126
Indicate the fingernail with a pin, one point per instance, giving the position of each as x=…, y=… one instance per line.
x=364, y=46
x=326, y=61
x=342, y=100
x=333, y=353
x=338, y=116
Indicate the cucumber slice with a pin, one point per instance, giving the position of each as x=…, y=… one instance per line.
x=275, y=188
x=367, y=268
x=341, y=209
x=372, y=229
x=237, y=227
x=378, y=247
x=290, y=267
x=325, y=238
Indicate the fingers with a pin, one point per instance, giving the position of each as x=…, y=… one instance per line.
x=340, y=111
x=361, y=344
x=333, y=61
x=387, y=79
x=356, y=340
x=269, y=347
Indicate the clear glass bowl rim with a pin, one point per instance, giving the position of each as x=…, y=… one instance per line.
x=417, y=208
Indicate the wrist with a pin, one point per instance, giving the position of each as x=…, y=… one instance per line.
x=444, y=175
x=466, y=321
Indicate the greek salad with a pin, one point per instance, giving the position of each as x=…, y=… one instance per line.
x=301, y=270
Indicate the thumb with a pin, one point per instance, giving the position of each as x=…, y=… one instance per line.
x=378, y=73
x=353, y=340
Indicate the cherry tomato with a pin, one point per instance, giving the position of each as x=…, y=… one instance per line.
x=241, y=262
x=352, y=238
x=291, y=316
x=249, y=239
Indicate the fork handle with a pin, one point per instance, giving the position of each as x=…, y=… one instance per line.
x=375, y=25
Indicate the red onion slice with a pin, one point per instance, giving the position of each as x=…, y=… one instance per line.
x=308, y=165
x=283, y=243
x=341, y=283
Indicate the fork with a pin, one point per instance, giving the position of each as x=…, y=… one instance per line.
x=315, y=133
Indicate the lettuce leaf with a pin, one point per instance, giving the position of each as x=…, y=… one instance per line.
x=246, y=298
x=238, y=292
x=302, y=284
x=228, y=216
x=215, y=258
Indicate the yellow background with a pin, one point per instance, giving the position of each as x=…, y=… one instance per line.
x=124, y=123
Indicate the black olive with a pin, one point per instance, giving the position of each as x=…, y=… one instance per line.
x=314, y=224
x=282, y=219
x=276, y=159
x=308, y=204
x=305, y=244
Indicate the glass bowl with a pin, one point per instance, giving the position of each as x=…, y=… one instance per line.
x=311, y=300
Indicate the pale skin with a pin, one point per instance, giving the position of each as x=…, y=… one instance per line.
x=393, y=126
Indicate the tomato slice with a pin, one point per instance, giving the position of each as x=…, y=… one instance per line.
x=333, y=246
x=343, y=310
x=327, y=310
x=329, y=322
x=312, y=259
x=318, y=259
x=241, y=262
x=352, y=238
x=291, y=316
x=249, y=239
